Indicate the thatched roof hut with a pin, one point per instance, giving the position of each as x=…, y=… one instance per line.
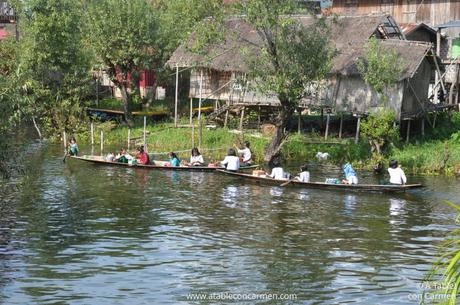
x=227, y=59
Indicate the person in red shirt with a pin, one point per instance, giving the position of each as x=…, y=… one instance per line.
x=142, y=157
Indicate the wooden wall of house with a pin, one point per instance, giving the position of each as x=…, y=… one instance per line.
x=431, y=12
x=225, y=86
x=355, y=96
x=414, y=102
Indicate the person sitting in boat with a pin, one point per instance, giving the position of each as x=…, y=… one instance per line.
x=123, y=156
x=304, y=175
x=142, y=157
x=246, y=154
x=173, y=159
x=231, y=161
x=196, y=159
x=277, y=171
x=350, y=175
x=73, y=147
x=397, y=175
x=110, y=157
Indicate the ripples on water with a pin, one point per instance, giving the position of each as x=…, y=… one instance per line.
x=80, y=234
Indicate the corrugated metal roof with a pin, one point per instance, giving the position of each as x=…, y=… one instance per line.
x=450, y=24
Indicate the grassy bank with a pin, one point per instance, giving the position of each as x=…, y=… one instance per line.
x=437, y=153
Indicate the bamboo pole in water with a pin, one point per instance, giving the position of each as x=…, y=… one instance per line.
x=129, y=138
x=145, y=133
x=102, y=142
x=92, y=133
x=65, y=140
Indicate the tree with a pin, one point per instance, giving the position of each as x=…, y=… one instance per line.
x=293, y=56
x=379, y=129
x=122, y=36
x=381, y=69
x=8, y=98
x=53, y=74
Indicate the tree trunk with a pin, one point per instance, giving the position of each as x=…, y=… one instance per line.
x=126, y=96
x=281, y=123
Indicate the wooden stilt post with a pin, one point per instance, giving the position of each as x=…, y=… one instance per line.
x=226, y=118
x=201, y=94
x=258, y=119
x=328, y=117
x=434, y=120
x=200, y=132
x=423, y=127
x=102, y=143
x=176, y=97
x=299, y=121
x=408, y=131
x=241, y=120
x=341, y=126
x=145, y=132
x=129, y=138
x=357, y=130
x=92, y=133
x=191, y=111
x=321, y=123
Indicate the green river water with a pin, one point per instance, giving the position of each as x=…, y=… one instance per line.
x=78, y=233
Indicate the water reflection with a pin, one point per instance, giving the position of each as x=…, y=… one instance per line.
x=92, y=234
x=350, y=202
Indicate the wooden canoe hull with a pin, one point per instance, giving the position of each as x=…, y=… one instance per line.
x=321, y=185
x=100, y=160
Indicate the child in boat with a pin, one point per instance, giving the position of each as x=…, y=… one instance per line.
x=73, y=147
x=196, y=159
x=246, y=154
x=397, y=175
x=123, y=156
x=142, y=157
x=277, y=171
x=304, y=175
x=110, y=157
x=231, y=161
x=173, y=159
x=350, y=175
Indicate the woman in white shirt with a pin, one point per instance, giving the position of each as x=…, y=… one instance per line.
x=231, y=161
x=397, y=175
x=304, y=175
x=196, y=159
x=277, y=171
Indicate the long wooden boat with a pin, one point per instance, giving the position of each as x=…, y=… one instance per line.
x=158, y=165
x=381, y=188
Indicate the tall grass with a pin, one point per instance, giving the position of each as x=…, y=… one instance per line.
x=448, y=267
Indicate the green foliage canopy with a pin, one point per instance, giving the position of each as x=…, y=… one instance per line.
x=379, y=129
x=381, y=67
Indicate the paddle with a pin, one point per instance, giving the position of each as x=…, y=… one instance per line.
x=287, y=182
